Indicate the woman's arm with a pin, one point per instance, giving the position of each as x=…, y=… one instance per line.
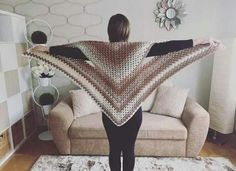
x=62, y=50
x=68, y=52
x=170, y=46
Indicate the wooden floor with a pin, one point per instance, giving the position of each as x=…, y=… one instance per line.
x=25, y=157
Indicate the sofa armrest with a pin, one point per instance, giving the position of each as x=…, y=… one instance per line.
x=196, y=119
x=60, y=119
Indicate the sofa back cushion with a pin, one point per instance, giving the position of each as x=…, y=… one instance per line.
x=170, y=101
x=149, y=101
x=82, y=103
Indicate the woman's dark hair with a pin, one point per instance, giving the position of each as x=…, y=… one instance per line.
x=39, y=37
x=118, y=28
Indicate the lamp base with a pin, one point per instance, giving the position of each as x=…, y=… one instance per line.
x=45, y=136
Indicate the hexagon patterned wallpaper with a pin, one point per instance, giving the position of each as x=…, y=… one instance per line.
x=70, y=19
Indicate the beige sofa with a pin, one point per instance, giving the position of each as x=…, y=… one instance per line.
x=159, y=135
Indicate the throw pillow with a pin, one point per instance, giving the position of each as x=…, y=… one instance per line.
x=170, y=101
x=82, y=103
x=148, y=102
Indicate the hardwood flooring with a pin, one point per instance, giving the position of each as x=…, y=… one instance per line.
x=26, y=156
x=28, y=153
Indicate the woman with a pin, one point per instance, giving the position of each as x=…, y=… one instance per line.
x=122, y=139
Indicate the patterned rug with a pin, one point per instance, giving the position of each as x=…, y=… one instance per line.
x=100, y=163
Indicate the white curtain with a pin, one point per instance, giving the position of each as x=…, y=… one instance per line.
x=222, y=102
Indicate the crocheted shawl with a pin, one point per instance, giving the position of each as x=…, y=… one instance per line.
x=118, y=76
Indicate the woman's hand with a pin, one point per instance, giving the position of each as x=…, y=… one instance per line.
x=201, y=41
x=211, y=41
x=40, y=48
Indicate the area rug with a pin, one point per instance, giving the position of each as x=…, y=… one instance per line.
x=100, y=163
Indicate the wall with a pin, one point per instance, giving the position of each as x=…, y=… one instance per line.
x=74, y=20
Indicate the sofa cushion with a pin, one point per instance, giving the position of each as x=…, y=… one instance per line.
x=82, y=103
x=148, y=102
x=153, y=127
x=162, y=127
x=88, y=126
x=170, y=101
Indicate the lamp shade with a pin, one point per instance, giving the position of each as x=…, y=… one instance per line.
x=222, y=102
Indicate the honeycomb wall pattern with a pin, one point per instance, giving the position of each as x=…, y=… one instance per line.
x=70, y=19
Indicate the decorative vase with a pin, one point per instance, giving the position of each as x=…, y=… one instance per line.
x=44, y=82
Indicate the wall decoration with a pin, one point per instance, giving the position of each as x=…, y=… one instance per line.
x=169, y=13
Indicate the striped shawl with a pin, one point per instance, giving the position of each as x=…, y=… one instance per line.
x=118, y=77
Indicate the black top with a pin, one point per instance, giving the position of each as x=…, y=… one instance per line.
x=156, y=49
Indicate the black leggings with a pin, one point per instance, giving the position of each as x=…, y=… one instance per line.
x=122, y=139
